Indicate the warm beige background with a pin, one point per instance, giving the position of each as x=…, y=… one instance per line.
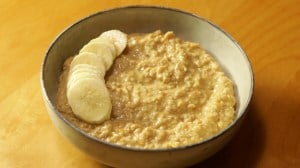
x=268, y=30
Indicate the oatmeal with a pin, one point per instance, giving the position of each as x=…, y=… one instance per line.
x=165, y=93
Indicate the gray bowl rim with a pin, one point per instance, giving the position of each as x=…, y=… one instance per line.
x=134, y=149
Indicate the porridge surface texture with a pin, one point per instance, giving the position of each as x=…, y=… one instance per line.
x=165, y=93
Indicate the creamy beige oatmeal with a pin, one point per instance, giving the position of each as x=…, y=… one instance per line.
x=165, y=93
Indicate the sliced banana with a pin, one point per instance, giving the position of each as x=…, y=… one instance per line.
x=81, y=75
x=81, y=71
x=87, y=94
x=90, y=101
x=118, y=38
x=100, y=50
x=89, y=59
x=106, y=43
x=76, y=80
x=86, y=68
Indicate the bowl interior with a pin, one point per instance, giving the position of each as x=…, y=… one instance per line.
x=148, y=19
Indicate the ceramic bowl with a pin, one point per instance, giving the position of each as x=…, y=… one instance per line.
x=141, y=19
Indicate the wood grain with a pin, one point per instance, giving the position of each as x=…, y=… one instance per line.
x=269, y=31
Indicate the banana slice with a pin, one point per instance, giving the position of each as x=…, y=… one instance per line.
x=82, y=71
x=89, y=100
x=118, y=38
x=87, y=94
x=85, y=67
x=78, y=79
x=89, y=59
x=100, y=50
x=89, y=69
x=107, y=44
x=81, y=75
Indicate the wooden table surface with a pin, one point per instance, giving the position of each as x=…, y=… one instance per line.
x=269, y=31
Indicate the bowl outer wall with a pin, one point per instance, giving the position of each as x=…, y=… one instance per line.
x=145, y=19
